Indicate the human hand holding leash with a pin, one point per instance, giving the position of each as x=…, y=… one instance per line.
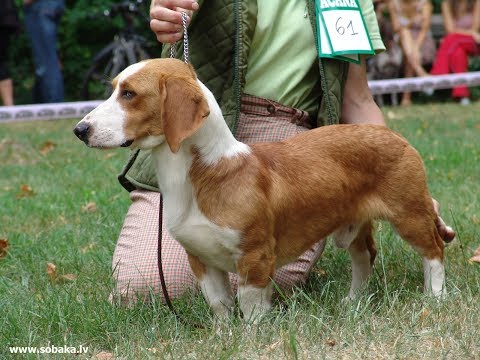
x=166, y=18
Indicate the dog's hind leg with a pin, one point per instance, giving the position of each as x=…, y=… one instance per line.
x=362, y=252
x=419, y=230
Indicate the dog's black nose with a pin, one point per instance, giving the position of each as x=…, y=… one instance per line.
x=81, y=131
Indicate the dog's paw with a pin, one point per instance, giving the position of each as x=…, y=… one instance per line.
x=348, y=299
x=438, y=294
x=255, y=314
x=222, y=310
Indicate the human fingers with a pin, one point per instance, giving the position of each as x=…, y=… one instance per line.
x=173, y=16
x=168, y=37
x=190, y=5
x=167, y=23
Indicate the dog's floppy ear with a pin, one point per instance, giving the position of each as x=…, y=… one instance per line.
x=184, y=108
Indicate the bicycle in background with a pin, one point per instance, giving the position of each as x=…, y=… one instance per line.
x=126, y=48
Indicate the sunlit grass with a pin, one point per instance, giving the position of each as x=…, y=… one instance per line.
x=44, y=190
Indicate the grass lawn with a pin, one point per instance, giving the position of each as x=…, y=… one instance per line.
x=60, y=203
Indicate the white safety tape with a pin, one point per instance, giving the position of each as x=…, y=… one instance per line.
x=388, y=86
x=72, y=110
x=66, y=110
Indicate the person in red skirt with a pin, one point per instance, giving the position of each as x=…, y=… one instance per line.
x=462, y=25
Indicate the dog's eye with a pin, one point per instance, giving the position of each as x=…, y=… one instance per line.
x=127, y=94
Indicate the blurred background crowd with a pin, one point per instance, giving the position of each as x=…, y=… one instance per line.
x=47, y=46
x=420, y=42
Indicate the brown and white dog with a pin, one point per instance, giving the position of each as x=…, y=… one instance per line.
x=250, y=209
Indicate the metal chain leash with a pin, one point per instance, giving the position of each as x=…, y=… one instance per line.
x=185, y=40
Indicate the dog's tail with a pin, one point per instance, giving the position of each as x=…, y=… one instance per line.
x=446, y=232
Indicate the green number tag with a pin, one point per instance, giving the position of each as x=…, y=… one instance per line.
x=341, y=30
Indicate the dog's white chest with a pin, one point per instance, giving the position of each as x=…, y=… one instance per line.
x=214, y=245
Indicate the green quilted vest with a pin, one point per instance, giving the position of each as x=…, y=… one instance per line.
x=219, y=44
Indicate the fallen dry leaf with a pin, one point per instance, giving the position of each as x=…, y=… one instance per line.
x=109, y=155
x=116, y=197
x=88, y=247
x=476, y=256
x=25, y=191
x=47, y=147
x=89, y=207
x=320, y=272
x=4, y=244
x=424, y=314
x=68, y=277
x=55, y=277
x=331, y=342
x=391, y=115
x=272, y=346
x=475, y=219
x=51, y=271
x=477, y=252
x=104, y=355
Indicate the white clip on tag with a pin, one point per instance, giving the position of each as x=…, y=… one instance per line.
x=341, y=30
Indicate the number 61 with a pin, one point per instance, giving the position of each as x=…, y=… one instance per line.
x=341, y=29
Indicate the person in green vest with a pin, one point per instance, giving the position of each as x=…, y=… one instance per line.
x=259, y=59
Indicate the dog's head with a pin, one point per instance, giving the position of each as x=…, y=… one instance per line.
x=153, y=101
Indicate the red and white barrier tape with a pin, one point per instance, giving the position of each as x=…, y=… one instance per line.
x=71, y=110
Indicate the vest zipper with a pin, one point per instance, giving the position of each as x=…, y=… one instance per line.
x=331, y=118
x=236, y=65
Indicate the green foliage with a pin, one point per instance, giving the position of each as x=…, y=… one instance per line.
x=82, y=32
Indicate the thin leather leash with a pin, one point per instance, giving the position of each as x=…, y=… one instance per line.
x=163, y=284
x=159, y=261
x=162, y=275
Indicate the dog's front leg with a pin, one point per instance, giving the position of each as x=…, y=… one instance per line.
x=215, y=286
x=362, y=252
x=254, y=301
x=255, y=288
